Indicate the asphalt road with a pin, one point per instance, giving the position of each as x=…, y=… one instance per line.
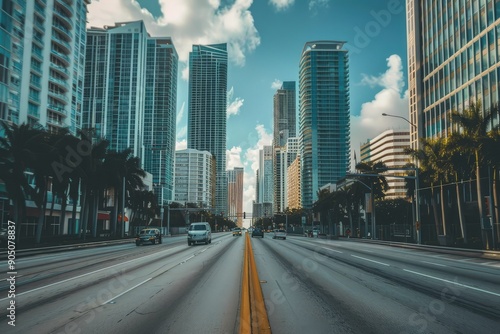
x=309, y=285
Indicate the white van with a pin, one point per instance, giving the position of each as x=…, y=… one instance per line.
x=199, y=232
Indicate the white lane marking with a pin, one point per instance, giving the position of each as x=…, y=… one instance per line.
x=332, y=250
x=124, y=292
x=364, y=258
x=436, y=264
x=491, y=264
x=451, y=282
x=92, y=272
x=186, y=260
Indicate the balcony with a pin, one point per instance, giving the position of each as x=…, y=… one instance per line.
x=62, y=30
x=37, y=54
x=62, y=44
x=39, y=26
x=39, y=10
x=59, y=109
x=60, y=83
x=63, y=18
x=38, y=40
x=58, y=96
x=60, y=70
x=65, y=59
x=67, y=7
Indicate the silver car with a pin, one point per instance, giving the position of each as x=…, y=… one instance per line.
x=199, y=232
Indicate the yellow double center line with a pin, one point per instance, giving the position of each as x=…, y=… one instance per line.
x=253, y=314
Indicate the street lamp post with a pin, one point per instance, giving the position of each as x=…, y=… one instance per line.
x=417, y=203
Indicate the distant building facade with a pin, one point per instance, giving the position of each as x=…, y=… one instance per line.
x=324, y=116
x=207, y=119
x=453, y=59
x=294, y=199
x=389, y=147
x=195, y=178
x=235, y=195
x=130, y=97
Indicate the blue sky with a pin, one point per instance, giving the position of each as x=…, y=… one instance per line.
x=265, y=40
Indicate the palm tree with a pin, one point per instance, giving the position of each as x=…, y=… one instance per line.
x=492, y=148
x=17, y=155
x=377, y=182
x=122, y=167
x=435, y=167
x=472, y=126
x=91, y=178
x=461, y=167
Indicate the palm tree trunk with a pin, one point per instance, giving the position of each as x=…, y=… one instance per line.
x=63, y=213
x=434, y=210
x=83, y=211
x=480, y=203
x=95, y=212
x=114, y=217
x=443, y=208
x=461, y=216
x=41, y=217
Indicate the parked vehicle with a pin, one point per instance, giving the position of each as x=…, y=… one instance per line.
x=148, y=235
x=257, y=232
x=279, y=234
x=199, y=232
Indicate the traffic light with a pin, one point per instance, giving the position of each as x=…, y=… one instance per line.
x=244, y=215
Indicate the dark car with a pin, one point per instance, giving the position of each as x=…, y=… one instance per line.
x=257, y=232
x=148, y=236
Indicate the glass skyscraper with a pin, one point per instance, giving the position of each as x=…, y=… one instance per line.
x=453, y=59
x=324, y=117
x=130, y=96
x=285, y=124
x=285, y=127
x=207, y=106
x=41, y=62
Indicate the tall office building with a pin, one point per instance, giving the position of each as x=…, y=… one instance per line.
x=453, y=59
x=207, y=103
x=283, y=158
x=294, y=193
x=130, y=96
x=160, y=115
x=195, y=177
x=265, y=177
x=284, y=127
x=235, y=195
x=41, y=62
x=324, y=120
x=284, y=114
x=389, y=147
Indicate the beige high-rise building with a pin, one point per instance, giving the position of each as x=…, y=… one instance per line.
x=293, y=185
x=235, y=195
x=389, y=148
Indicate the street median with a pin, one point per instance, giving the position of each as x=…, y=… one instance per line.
x=253, y=314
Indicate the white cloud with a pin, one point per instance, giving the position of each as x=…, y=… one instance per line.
x=281, y=4
x=188, y=22
x=276, y=84
x=233, y=158
x=391, y=100
x=181, y=145
x=315, y=5
x=233, y=106
x=251, y=164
